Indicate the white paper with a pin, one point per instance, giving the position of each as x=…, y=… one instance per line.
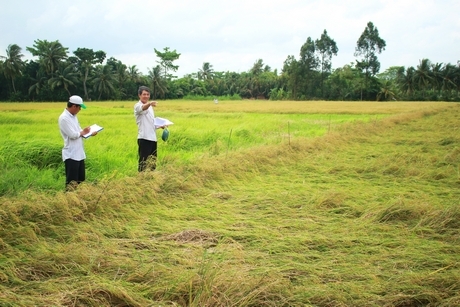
x=93, y=128
x=160, y=122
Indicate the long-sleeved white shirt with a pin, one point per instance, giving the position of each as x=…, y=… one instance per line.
x=70, y=131
x=145, y=122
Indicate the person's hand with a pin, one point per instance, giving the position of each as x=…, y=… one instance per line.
x=94, y=133
x=153, y=103
x=85, y=131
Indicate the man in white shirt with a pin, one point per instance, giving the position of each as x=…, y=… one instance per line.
x=146, y=132
x=73, y=153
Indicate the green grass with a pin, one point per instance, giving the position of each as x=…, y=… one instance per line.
x=32, y=143
x=364, y=215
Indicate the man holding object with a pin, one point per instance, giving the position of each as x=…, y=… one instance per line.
x=73, y=153
x=146, y=130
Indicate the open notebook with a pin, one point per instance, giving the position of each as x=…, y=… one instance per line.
x=161, y=122
x=94, y=128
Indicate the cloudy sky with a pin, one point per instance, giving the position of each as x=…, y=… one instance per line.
x=233, y=34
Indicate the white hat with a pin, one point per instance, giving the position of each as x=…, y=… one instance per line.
x=77, y=100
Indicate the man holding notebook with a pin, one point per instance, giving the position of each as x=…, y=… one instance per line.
x=73, y=153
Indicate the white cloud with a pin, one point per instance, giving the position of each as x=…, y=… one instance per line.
x=232, y=35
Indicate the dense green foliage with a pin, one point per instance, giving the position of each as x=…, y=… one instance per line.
x=53, y=74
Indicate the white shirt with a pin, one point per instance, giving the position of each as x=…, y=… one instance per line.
x=145, y=122
x=70, y=131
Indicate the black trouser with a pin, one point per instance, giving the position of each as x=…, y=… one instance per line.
x=147, y=151
x=74, y=172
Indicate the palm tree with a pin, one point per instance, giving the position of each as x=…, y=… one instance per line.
x=197, y=87
x=436, y=76
x=103, y=80
x=218, y=88
x=254, y=79
x=50, y=54
x=406, y=80
x=121, y=75
x=158, y=82
x=422, y=75
x=386, y=91
x=257, y=68
x=64, y=77
x=206, y=72
x=38, y=83
x=449, y=75
x=456, y=77
x=13, y=64
x=231, y=83
x=133, y=74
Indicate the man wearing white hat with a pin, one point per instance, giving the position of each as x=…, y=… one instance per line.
x=73, y=153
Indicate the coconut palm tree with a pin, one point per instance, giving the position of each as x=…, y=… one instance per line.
x=422, y=76
x=254, y=78
x=456, y=78
x=121, y=74
x=406, y=80
x=133, y=74
x=257, y=68
x=206, y=72
x=104, y=80
x=436, y=74
x=50, y=54
x=158, y=83
x=37, y=83
x=13, y=64
x=64, y=77
x=449, y=75
x=386, y=91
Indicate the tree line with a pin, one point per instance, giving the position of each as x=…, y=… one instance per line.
x=54, y=75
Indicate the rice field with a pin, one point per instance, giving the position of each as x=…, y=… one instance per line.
x=253, y=204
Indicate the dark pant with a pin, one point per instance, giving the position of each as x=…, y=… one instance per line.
x=74, y=173
x=147, y=151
